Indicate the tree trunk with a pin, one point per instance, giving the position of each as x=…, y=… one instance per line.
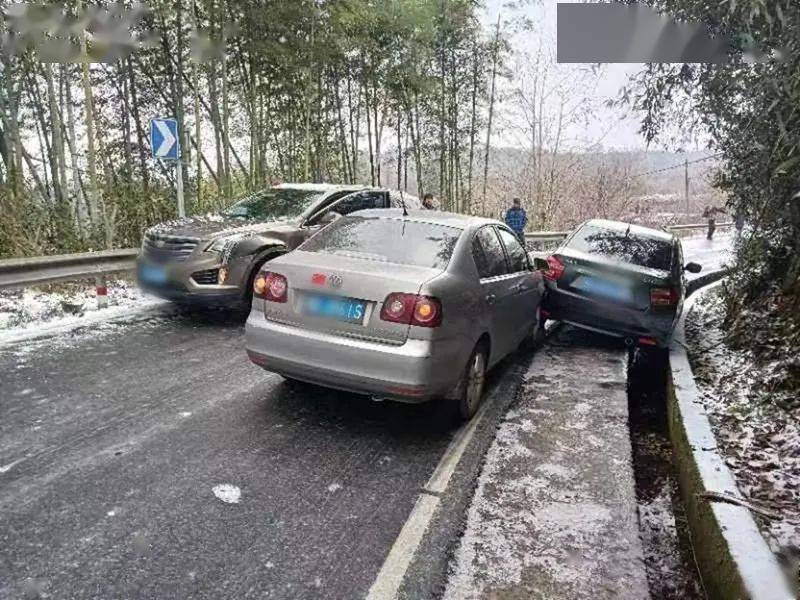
x=495, y=53
x=226, y=142
x=94, y=192
x=58, y=139
x=472, y=125
x=369, y=136
x=141, y=139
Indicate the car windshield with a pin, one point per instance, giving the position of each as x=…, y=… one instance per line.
x=273, y=203
x=618, y=246
x=396, y=241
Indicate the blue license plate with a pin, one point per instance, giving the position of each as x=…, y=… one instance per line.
x=348, y=310
x=603, y=288
x=153, y=274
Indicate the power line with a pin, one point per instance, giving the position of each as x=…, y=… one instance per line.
x=676, y=166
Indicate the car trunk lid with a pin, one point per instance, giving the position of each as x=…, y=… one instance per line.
x=619, y=282
x=344, y=276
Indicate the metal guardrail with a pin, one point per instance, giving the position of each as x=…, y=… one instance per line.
x=542, y=237
x=23, y=272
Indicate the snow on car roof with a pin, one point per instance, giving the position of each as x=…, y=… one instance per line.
x=634, y=229
x=318, y=187
x=425, y=216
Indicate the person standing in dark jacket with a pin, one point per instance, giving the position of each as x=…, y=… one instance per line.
x=517, y=219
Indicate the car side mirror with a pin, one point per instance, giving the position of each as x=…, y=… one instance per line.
x=541, y=264
x=693, y=267
x=328, y=218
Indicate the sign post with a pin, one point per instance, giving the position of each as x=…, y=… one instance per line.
x=165, y=144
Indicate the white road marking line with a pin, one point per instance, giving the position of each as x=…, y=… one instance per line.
x=11, y=465
x=390, y=577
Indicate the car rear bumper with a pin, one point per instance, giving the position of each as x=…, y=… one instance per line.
x=415, y=371
x=609, y=319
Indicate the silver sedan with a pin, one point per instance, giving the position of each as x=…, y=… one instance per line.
x=403, y=306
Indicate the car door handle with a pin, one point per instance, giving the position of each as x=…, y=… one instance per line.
x=490, y=298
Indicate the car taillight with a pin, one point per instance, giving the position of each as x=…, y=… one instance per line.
x=555, y=270
x=271, y=286
x=412, y=309
x=663, y=297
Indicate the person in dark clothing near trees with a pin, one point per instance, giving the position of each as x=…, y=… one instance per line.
x=517, y=219
x=429, y=202
x=710, y=213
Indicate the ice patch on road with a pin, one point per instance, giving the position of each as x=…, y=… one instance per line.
x=186, y=414
x=230, y=494
x=334, y=487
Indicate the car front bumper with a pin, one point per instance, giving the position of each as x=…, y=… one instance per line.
x=609, y=319
x=181, y=285
x=415, y=371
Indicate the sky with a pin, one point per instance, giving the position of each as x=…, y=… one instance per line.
x=611, y=127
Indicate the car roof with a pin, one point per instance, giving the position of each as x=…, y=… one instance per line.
x=638, y=230
x=427, y=216
x=319, y=187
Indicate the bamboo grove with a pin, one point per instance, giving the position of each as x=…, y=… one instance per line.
x=380, y=92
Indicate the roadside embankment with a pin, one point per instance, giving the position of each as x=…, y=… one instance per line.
x=732, y=556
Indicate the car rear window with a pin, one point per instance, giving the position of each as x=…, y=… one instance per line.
x=616, y=245
x=387, y=240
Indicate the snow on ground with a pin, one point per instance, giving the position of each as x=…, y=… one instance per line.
x=554, y=513
x=757, y=429
x=61, y=305
x=712, y=255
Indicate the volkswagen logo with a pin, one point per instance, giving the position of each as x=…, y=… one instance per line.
x=335, y=281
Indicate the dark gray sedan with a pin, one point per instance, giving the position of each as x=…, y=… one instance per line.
x=618, y=279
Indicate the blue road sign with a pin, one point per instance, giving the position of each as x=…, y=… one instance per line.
x=164, y=139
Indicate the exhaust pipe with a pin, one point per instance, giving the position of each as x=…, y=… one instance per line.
x=629, y=342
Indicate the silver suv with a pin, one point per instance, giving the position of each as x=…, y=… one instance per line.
x=213, y=259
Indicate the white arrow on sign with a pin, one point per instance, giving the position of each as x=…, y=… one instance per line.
x=168, y=141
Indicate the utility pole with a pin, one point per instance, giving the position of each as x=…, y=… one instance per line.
x=179, y=185
x=686, y=184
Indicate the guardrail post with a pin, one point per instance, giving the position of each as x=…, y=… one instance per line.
x=102, y=291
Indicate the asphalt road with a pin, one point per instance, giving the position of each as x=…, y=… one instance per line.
x=121, y=435
x=112, y=439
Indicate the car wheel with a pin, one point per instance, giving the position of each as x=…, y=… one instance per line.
x=295, y=384
x=474, y=383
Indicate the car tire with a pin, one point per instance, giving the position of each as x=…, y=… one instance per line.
x=473, y=384
x=296, y=384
